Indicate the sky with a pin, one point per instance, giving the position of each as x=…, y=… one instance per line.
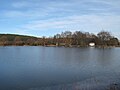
x=49, y=17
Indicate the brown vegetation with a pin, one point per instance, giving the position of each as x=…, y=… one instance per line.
x=67, y=39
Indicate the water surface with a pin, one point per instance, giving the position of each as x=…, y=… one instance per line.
x=26, y=68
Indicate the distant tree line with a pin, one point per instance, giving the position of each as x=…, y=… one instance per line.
x=67, y=39
x=18, y=40
x=79, y=38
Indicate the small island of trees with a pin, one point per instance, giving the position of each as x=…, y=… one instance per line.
x=67, y=39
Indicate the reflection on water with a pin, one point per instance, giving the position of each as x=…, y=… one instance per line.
x=34, y=67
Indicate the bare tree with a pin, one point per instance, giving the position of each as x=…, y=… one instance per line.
x=17, y=40
x=3, y=40
x=104, y=37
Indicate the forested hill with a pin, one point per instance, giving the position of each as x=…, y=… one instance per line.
x=15, y=39
x=67, y=39
x=11, y=37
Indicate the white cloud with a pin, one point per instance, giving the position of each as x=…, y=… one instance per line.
x=23, y=15
x=40, y=9
x=86, y=22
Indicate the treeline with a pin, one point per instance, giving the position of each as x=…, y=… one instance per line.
x=82, y=39
x=18, y=40
x=67, y=39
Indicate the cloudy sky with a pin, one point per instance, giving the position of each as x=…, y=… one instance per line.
x=48, y=17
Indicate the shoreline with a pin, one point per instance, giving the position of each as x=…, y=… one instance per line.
x=71, y=46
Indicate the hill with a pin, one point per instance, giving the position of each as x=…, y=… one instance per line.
x=14, y=39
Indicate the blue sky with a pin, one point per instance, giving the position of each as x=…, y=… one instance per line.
x=48, y=17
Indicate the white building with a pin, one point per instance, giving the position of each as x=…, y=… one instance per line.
x=92, y=44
